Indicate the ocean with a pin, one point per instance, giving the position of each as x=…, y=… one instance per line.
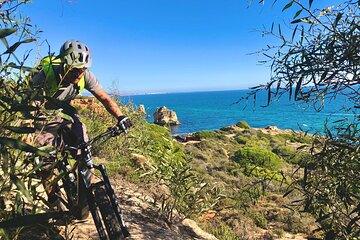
x=213, y=110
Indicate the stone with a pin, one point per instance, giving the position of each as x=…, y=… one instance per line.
x=164, y=116
x=197, y=230
x=272, y=128
x=141, y=109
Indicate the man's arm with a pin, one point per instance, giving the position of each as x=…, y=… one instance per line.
x=108, y=103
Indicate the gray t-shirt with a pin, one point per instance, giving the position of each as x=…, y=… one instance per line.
x=68, y=90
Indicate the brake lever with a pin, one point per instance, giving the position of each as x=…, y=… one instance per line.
x=115, y=131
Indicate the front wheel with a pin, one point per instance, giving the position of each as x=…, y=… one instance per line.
x=108, y=215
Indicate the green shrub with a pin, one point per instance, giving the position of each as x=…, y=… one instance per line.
x=295, y=137
x=284, y=151
x=279, y=232
x=242, y=140
x=243, y=124
x=203, y=134
x=227, y=129
x=260, y=221
x=257, y=156
x=220, y=230
x=300, y=158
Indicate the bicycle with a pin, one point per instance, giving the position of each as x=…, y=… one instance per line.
x=80, y=195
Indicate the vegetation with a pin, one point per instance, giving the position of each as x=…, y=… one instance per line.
x=239, y=173
x=243, y=124
x=19, y=193
x=316, y=63
x=257, y=156
x=163, y=163
x=251, y=189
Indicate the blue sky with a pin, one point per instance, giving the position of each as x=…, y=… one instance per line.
x=144, y=46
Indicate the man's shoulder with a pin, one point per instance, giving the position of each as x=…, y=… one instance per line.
x=89, y=75
x=91, y=82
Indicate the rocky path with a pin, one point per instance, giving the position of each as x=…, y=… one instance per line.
x=141, y=218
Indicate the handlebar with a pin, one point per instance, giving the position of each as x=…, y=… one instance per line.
x=112, y=132
x=85, y=146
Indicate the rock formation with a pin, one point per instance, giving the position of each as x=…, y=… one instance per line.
x=164, y=116
x=141, y=109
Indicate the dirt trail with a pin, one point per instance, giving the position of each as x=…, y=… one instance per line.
x=141, y=218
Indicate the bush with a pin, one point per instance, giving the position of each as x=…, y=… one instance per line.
x=243, y=124
x=242, y=140
x=284, y=151
x=257, y=156
x=260, y=221
x=295, y=137
x=203, y=134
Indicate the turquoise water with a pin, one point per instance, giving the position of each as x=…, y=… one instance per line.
x=213, y=110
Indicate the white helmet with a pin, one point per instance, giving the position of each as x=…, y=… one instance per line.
x=77, y=54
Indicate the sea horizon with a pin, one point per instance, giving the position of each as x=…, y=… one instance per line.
x=176, y=92
x=212, y=110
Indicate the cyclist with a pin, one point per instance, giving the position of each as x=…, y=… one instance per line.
x=62, y=79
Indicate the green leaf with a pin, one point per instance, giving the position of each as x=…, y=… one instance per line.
x=6, y=32
x=293, y=35
x=17, y=44
x=24, y=68
x=23, y=108
x=310, y=3
x=21, y=187
x=17, y=144
x=67, y=108
x=20, y=129
x=288, y=5
x=298, y=87
x=297, y=14
x=4, y=161
x=3, y=234
x=338, y=17
x=279, y=27
x=296, y=21
x=5, y=42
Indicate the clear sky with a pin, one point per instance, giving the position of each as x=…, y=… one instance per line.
x=144, y=46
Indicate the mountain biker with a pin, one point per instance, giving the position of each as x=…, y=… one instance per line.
x=62, y=79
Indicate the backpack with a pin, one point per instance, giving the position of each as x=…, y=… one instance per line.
x=52, y=85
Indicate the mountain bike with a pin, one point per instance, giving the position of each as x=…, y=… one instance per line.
x=78, y=193
x=81, y=195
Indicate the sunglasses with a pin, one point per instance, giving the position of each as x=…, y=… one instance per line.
x=77, y=71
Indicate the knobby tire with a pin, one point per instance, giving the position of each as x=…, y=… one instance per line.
x=111, y=222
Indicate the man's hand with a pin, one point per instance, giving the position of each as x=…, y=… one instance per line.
x=124, y=123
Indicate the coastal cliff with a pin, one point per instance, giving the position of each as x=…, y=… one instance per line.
x=237, y=176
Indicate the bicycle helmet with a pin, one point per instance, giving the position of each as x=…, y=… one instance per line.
x=77, y=54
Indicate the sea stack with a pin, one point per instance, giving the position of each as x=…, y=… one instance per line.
x=164, y=116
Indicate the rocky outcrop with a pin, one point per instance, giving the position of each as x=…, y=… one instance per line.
x=141, y=109
x=164, y=116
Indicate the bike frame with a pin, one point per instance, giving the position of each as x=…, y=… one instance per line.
x=86, y=187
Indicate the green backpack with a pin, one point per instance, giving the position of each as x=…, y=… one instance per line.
x=52, y=84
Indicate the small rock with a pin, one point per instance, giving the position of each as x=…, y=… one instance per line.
x=141, y=109
x=272, y=128
x=197, y=230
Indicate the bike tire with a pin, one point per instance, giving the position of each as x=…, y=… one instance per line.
x=108, y=215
